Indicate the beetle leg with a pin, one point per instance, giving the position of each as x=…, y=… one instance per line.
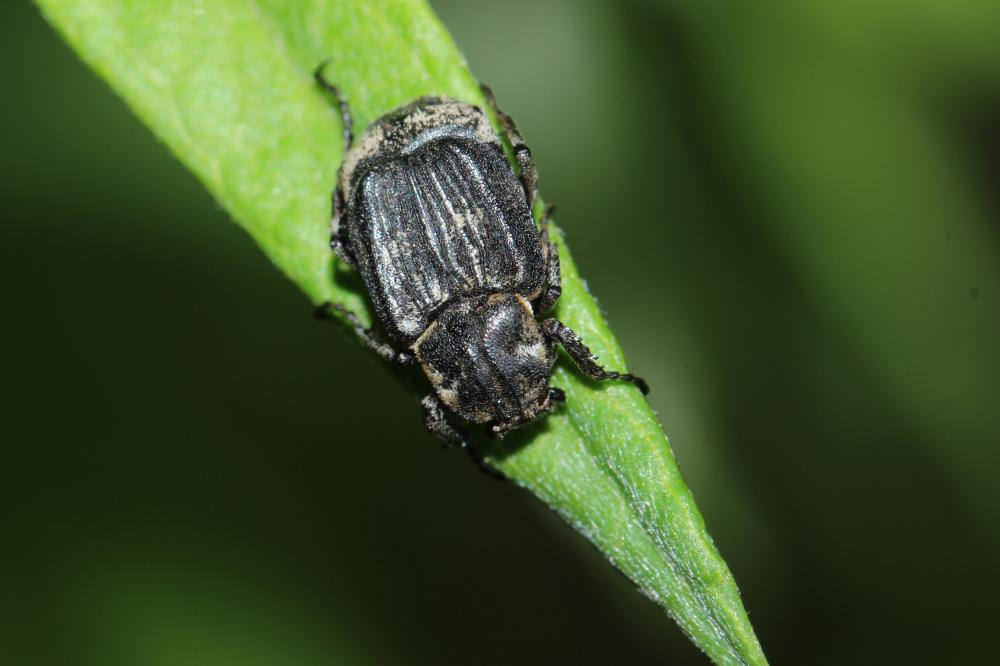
x=366, y=335
x=338, y=240
x=553, y=275
x=585, y=360
x=345, y=109
x=338, y=236
x=525, y=163
x=437, y=424
x=340, y=248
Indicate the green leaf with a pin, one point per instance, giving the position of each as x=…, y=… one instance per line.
x=227, y=86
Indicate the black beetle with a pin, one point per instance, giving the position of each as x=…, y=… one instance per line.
x=429, y=210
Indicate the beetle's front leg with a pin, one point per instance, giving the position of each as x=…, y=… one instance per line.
x=525, y=163
x=437, y=424
x=366, y=335
x=559, y=332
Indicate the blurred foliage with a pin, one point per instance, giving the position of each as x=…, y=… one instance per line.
x=808, y=281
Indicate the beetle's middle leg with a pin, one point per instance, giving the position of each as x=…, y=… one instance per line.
x=366, y=335
x=559, y=332
x=338, y=236
x=437, y=424
x=553, y=274
x=525, y=163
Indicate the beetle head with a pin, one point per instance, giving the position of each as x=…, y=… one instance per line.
x=489, y=362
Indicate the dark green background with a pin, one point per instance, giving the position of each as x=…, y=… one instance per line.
x=791, y=216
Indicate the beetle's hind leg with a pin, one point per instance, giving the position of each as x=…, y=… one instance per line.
x=367, y=336
x=437, y=424
x=559, y=332
x=525, y=163
x=342, y=105
x=529, y=181
x=553, y=274
x=338, y=239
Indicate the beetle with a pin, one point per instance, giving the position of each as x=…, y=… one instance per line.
x=428, y=209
